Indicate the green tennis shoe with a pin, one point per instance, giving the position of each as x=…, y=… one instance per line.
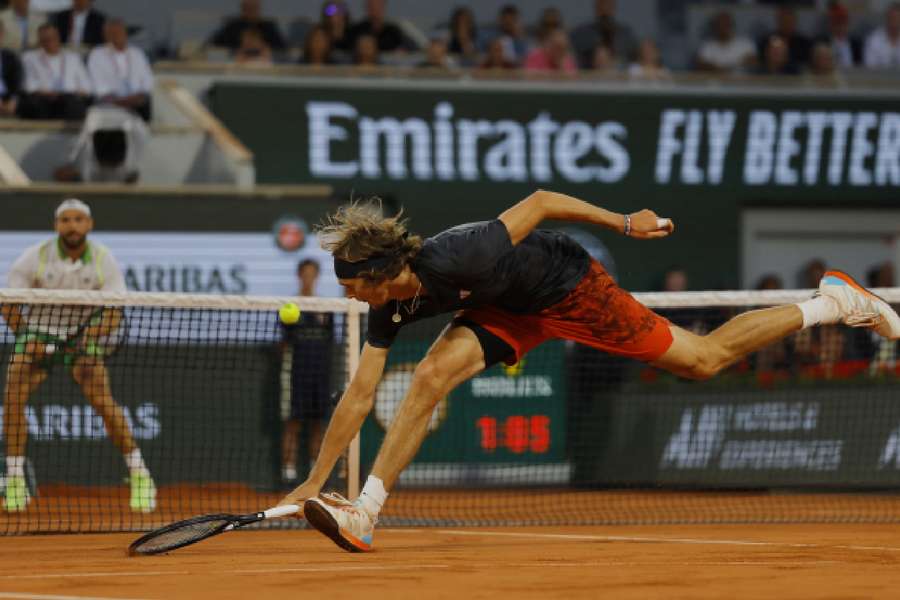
x=143, y=492
x=17, y=497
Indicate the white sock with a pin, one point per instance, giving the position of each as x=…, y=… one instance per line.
x=135, y=461
x=289, y=472
x=820, y=310
x=15, y=466
x=373, y=496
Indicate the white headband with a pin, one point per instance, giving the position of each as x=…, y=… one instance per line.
x=73, y=204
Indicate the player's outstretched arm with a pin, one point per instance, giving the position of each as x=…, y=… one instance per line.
x=522, y=218
x=346, y=421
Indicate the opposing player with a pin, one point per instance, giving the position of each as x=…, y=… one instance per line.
x=514, y=287
x=43, y=338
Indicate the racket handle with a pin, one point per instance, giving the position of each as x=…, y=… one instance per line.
x=281, y=511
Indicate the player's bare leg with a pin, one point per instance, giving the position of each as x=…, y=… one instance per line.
x=455, y=357
x=701, y=357
x=840, y=299
x=92, y=376
x=22, y=379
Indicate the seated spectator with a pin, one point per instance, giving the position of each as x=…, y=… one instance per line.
x=882, y=49
x=366, y=52
x=822, y=62
x=605, y=31
x=798, y=45
x=553, y=56
x=726, y=52
x=335, y=20
x=120, y=72
x=846, y=50
x=811, y=273
x=649, y=65
x=80, y=25
x=463, y=36
x=21, y=24
x=11, y=76
x=510, y=30
x=774, y=356
x=551, y=19
x=229, y=35
x=603, y=61
x=317, y=47
x=388, y=36
x=436, y=55
x=495, y=58
x=770, y=282
x=57, y=86
x=253, y=49
x=109, y=148
x=776, y=58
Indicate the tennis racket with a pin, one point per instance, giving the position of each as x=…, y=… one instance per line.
x=190, y=531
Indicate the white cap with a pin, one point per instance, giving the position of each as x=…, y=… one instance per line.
x=73, y=204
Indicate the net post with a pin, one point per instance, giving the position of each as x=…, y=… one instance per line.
x=353, y=349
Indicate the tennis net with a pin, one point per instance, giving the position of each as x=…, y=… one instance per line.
x=807, y=430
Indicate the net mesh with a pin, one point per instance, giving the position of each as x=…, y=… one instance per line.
x=807, y=430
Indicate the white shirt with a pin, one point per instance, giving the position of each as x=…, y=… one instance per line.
x=77, y=31
x=120, y=73
x=45, y=266
x=843, y=53
x=728, y=56
x=880, y=53
x=63, y=72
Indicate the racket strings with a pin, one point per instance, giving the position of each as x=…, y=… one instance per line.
x=179, y=536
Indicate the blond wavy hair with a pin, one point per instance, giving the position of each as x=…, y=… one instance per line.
x=359, y=230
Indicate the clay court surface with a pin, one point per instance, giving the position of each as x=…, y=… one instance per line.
x=736, y=561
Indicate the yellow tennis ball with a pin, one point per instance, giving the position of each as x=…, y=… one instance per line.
x=289, y=313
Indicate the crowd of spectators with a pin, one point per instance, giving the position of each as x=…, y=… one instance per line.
x=55, y=66
x=605, y=44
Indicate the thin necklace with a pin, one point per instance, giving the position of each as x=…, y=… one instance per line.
x=413, y=306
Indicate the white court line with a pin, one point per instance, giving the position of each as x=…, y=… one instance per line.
x=338, y=568
x=663, y=540
x=54, y=597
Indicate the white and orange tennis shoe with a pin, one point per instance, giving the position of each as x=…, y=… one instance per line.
x=858, y=306
x=346, y=523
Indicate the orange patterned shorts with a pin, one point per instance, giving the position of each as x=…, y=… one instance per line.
x=597, y=313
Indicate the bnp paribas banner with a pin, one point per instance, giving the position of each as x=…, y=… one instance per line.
x=541, y=135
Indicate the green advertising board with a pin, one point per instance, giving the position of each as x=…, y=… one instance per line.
x=454, y=152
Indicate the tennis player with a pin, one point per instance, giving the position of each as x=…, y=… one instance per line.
x=43, y=339
x=514, y=287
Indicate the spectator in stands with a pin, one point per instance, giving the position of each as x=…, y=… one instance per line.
x=511, y=32
x=554, y=56
x=603, y=61
x=551, y=19
x=21, y=24
x=317, y=47
x=883, y=45
x=726, y=52
x=846, y=49
x=605, y=30
x=253, y=49
x=57, y=86
x=775, y=356
x=463, y=36
x=648, y=65
x=776, y=58
x=309, y=343
x=436, y=55
x=229, y=35
x=335, y=20
x=770, y=281
x=366, y=52
x=811, y=273
x=109, y=148
x=798, y=45
x=11, y=76
x=495, y=58
x=822, y=62
x=80, y=25
x=388, y=36
x=120, y=72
